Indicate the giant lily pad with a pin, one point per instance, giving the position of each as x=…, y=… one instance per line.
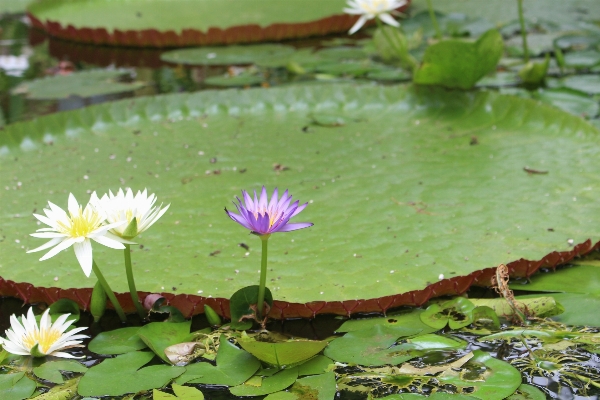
x=405, y=207
x=162, y=23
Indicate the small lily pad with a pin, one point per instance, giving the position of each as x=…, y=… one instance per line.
x=282, y=353
x=118, y=341
x=234, y=81
x=412, y=319
x=569, y=100
x=160, y=335
x=527, y=392
x=241, y=306
x=234, y=366
x=456, y=313
x=272, y=383
x=16, y=386
x=124, y=374
x=584, y=83
x=229, y=55
x=83, y=84
x=181, y=392
x=50, y=370
x=582, y=59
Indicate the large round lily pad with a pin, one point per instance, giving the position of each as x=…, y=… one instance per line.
x=164, y=23
x=418, y=192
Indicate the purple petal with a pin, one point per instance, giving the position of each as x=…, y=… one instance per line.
x=239, y=219
x=285, y=196
x=274, y=199
x=296, y=226
x=299, y=209
x=262, y=204
x=248, y=200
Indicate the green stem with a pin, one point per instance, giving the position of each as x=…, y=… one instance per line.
x=438, y=32
x=109, y=292
x=263, y=277
x=131, y=283
x=523, y=31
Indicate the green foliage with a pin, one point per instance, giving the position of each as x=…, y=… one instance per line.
x=230, y=55
x=16, y=386
x=457, y=313
x=83, y=84
x=160, y=335
x=64, y=306
x=261, y=385
x=124, y=374
x=211, y=315
x=241, y=306
x=50, y=370
x=234, y=366
x=181, y=392
x=400, y=320
x=392, y=45
x=459, y=64
x=117, y=341
x=281, y=354
x=527, y=392
x=98, y=301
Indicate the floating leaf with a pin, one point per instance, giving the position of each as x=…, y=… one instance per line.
x=584, y=83
x=318, y=387
x=234, y=366
x=569, y=100
x=582, y=59
x=375, y=346
x=434, y=219
x=540, y=306
x=527, y=392
x=579, y=309
x=117, y=341
x=458, y=64
x=272, y=383
x=16, y=386
x=283, y=353
x=64, y=306
x=315, y=366
x=83, y=84
x=50, y=370
x=160, y=335
x=181, y=392
x=456, y=313
x=411, y=318
x=241, y=303
x=233, y=81
x=230, y=55
x=124, y=374
x=490, y=378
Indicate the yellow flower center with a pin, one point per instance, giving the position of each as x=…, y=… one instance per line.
x=272, y=217
x=44, y=338
x=373, y=7
x=81, y=224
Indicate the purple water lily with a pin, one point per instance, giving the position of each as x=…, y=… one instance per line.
x=264, y=217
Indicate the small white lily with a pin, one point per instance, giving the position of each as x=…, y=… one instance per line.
x=27, y=339
x=369, y=9
x=136, y=214
x=75, y=229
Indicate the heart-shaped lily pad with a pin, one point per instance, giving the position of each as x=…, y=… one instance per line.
x=420, y=193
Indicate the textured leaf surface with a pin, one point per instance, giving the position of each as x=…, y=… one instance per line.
x=398, y=194
x=124, y=374
x=117, y=341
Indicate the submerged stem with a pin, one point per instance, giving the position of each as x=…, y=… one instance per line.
x=109, y=292
x=263, y=277
x=438, y=32
x=131, y=282
x=523, y=31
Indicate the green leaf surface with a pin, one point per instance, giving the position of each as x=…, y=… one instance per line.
x=527, y=392
x=50, y=370
x=160, y=335
x=315, y=366
x=457, y=313
x=470, y=206
x=540, y=306
x=65, y=306
x=459, y=64
x=433, y=396
x=83, y=84
x=491, y=378
x=16, y=386
x=177, y=15
x=124, y=374
x=375, y=346
x=117, y=341
x=412, y=319
x=234, y=366
x=569, y=100
x=240, y=305
x=567, y=279
x=234, y=81
x=318, y=387
x=584, y=83
x=273, y=383
x=582, y=59
x=579, y=309
x=181, y=392
x=283, y=353
x=230, y=55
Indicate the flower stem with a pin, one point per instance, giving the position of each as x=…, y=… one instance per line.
x=438, y=32
x=131, y=282
x=523, y=31
x=109, y=292
x=263, y=277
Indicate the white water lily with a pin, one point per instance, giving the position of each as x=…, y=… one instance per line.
x=124, y=207
x=369, y=9
x=39, y=341
x=76, y=229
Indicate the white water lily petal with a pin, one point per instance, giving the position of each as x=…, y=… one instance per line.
x=369, y=9
x=49, y=337
x=83, y=252
x=75, y=229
